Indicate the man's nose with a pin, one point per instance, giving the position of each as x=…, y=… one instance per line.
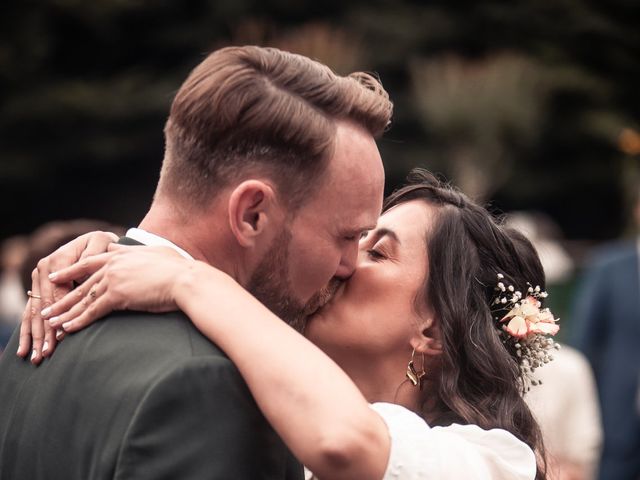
x=348, y=261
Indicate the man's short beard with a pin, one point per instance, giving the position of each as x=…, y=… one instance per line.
x=319, y=300
x=270, y=282
x=271, y=285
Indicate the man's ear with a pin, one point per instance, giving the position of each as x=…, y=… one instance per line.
x=428, y=338
x=252, y=207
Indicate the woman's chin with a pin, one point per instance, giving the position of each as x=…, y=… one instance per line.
x=318, y=315
x=316, y=322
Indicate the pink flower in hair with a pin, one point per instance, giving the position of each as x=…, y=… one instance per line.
x=526, y=328
x=526, y=318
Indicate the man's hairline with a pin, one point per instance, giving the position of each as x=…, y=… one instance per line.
x=263, y=170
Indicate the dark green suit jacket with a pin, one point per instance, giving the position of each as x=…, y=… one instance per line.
x=134, y=396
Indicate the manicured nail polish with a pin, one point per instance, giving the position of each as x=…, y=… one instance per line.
x=59, y=334
x=45, y=312
x=53, y=275
x=53, y=320
x=33, y=355
x=66, y=325
x=45, y=347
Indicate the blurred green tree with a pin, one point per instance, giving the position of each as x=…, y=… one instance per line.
x=522, y=102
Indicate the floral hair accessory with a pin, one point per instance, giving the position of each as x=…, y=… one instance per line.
x=526, y=326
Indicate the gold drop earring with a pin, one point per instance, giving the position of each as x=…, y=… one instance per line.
x=412, y=374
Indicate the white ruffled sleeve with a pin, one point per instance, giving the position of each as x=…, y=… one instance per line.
x=419, y=452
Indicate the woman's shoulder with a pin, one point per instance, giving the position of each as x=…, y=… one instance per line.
x=419, y=451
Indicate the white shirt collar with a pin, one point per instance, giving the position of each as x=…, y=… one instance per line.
x=152, y=239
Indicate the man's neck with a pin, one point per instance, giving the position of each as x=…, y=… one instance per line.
x=174, y=233
x=190, y=236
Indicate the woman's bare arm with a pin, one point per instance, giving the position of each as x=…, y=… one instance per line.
x=310, y=401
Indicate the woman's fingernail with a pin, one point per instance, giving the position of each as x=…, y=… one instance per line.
x=59, y=334
x=65, y=326
x=33, y=355
x=45, y=347
x=53, y=275
x=45, y=312
x=53, y=320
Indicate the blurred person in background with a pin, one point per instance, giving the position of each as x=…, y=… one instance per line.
x=566, y=402
x=566, y=407
x=606, y=326
x=12, y=296
x=546, y=236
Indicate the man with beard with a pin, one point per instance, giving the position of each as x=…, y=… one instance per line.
x=271, y=173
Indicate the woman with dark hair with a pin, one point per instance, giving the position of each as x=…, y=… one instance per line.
x=439, y=329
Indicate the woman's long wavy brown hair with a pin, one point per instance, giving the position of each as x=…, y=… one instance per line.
x=478, y=379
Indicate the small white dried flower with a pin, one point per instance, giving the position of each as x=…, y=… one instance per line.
x=532, y=349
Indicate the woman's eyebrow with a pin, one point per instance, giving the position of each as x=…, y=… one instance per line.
x=387, y=232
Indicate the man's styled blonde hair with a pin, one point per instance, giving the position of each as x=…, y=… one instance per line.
x=252, y=109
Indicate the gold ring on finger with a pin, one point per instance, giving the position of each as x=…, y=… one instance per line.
x=30, y=294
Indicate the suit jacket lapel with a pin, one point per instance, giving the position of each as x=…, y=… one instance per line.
x=128, y=241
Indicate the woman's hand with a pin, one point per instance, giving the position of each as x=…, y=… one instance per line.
x=125, y=278
x=36, y=335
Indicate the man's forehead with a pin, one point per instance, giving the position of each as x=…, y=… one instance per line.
x=360, y=208
x=351, y=193
x=362, y=214
x=356, y=153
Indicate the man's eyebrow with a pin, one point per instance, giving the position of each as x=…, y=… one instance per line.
x=360, y=231
x=386, y=232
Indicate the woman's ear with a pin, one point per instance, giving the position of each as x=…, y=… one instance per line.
x=428, y=338
x=251, y=208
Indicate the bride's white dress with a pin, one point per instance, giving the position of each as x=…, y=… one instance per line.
x=420, y=452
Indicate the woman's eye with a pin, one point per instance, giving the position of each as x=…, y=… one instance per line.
x=375, y=254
